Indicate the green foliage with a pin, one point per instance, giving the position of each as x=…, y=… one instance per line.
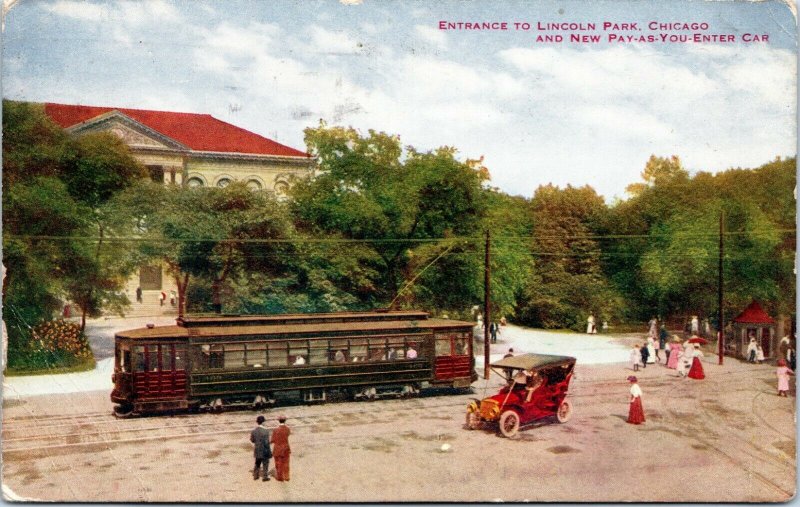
x=369, y=187
x=569, y=282
x=672, y=267
x=53, y=345
x=51, y=212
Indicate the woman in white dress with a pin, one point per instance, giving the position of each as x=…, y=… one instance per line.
x=651, y=349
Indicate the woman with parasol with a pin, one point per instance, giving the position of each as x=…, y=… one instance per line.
x=636, y=411
x=696, y=371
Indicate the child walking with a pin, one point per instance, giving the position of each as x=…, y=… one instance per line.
x=783, y=373
x=636, y=357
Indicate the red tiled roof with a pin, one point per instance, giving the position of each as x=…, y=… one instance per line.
x=754, y=314
x=200, y=132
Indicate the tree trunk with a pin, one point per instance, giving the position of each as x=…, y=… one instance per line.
x=182, y=284
x=216, y=300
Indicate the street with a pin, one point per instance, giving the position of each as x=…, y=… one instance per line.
x=727, y=438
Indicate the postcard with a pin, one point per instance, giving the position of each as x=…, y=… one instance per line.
x=399, y=251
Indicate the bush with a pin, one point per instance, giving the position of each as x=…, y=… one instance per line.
x=57, y=344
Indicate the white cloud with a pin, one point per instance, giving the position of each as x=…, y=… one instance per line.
x=327, y=41
x=84, y=11
x=431, y=35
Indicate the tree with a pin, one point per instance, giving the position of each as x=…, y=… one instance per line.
x=369, y=188
x=58, y=184
x=569, y=281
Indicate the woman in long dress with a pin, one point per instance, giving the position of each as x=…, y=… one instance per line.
x=674, y=350
x=685, y=362
x=783, y=373
x=696, y=371
x=651, y=349
x=636, y=411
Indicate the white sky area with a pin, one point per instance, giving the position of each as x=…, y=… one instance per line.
x=561, y=113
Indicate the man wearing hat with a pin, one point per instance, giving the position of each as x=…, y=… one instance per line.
x=281, y=450
x=260, y=437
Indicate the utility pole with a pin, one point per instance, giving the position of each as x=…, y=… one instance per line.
x=721, y=323
x=487, y=314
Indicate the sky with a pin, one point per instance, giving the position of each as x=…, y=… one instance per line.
x=539, y=112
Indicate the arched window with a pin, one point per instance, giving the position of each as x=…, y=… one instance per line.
x=254, y=185
x=224, y=182
x=194, y=182
x=281, y=188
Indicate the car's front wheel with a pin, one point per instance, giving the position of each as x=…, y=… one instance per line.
x=509, y=424
x=564, y=412
x=472, y=421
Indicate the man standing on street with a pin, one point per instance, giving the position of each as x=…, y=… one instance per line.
x=260, y=437
x=281, y=450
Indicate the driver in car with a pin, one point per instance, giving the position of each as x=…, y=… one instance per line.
x=535, y=380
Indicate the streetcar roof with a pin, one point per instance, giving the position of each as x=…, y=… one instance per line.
x=531, y=361
x=213, y=330
x=299, y=318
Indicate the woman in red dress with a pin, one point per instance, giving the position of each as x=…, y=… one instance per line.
x=636, y=412
x=696, y=371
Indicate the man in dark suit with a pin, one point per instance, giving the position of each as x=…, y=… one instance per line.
x=260, y=437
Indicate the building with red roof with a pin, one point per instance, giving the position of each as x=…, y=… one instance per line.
x=754, y=322
x=185, y=149
x=190, y=148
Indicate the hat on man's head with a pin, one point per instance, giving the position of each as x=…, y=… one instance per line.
x=281, y=418
x=260, y=419
x=631, y=378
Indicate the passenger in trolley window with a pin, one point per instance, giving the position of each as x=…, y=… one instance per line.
x=412, y=352
x=339, y=356
x=392, y=354
x=299, y=360
x=281, y=450
x=260, y=438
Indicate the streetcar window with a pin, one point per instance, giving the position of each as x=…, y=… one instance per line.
x=318, y=353
x=234, y=356
x=298, y=352
x=215, y=356
x=377, y=349
x=166, y=357
x=339, y=351
x=442, y=345
x=277, y=354
x=460, y=347
x=152, y=357
x=125, y=361
x=256, y=354
x=139, y=353
x=180, y=357
x=397, y=348
x=413, y=350
x=358, y=350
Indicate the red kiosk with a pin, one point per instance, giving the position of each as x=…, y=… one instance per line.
x=754, y=322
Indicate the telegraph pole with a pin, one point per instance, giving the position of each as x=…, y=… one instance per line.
x=721, y=323
x=487, y=314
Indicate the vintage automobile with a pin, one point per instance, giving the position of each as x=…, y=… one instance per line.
x=536, y=388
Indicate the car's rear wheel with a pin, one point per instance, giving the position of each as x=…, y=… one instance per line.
x=564, y=411
x=472, y=421
x=509, y=424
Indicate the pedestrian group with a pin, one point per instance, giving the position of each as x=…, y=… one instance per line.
x=280, y=451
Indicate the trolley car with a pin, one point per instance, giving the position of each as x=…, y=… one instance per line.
x=213, y=362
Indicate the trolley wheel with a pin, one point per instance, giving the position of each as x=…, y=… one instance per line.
x=472, y=421
x=564, y=411
x=123, y=411
x=509, y=424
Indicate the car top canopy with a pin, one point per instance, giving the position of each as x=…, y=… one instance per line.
x=532, y=361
